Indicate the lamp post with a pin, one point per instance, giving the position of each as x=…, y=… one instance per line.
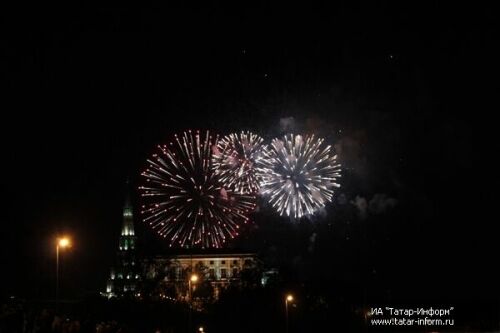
x=62, y=243
x=288, y=298
x=192, y=280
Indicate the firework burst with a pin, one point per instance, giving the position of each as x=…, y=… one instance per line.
x=234, y=161
x=298, y=174
x=183, y=198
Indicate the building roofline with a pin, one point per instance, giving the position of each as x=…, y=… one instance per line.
x=205, y=255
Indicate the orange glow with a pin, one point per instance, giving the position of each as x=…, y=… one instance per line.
x=64, y=242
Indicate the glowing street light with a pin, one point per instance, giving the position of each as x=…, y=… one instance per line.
x=62, y=243
x=192, y=280
x=288, y=299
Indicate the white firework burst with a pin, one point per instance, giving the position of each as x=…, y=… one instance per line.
x=298, y=174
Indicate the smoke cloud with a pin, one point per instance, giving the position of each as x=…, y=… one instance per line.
x=287, y=124
x=378, y=204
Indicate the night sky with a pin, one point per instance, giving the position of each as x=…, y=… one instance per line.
x=401, y=91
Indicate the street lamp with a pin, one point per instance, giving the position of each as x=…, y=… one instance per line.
x=288, y=298
x=192, y=280
x=62, y=243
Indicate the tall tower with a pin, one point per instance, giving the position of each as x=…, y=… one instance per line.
x=125, y=275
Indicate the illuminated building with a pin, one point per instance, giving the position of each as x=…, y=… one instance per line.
x=125, y=275
x=218, y=268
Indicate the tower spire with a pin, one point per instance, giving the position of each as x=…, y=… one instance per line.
x=125, y=274
x=128, y=216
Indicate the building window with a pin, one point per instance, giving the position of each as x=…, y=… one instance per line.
x=223, y=262
x=235, y=272
x=211, y=262
x=211, y=273
x=235, y=262
x=223, y=273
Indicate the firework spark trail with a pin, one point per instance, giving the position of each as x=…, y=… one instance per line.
x=183, y=198
x=298, y=176
x=234, y=161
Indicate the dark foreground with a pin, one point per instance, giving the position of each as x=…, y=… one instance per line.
x=242, y=311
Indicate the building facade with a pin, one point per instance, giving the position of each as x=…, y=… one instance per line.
x=216, y=270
